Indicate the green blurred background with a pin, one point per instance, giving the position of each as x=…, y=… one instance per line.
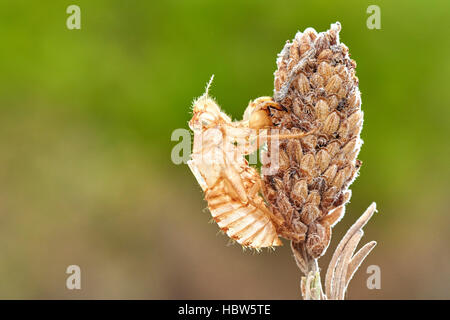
x=86, y=118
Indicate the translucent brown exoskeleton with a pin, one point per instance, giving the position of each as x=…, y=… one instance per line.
x=231, y=186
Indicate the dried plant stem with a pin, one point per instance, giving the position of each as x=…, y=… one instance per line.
x=342, y=267
x=304, y=261
x=311, y=287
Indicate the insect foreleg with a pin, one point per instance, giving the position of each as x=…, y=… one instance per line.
x=280, y=136
x=258, y=202
x=255, y=141
x=233, y=184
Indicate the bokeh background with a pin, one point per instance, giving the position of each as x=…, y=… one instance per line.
x=86, y=118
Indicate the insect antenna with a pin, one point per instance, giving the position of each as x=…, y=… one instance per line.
x=208, y=85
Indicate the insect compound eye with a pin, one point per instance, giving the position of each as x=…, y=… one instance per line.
x=205, y=119
x=260, y=119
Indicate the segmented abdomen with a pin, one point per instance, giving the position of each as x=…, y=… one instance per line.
x=244, y=223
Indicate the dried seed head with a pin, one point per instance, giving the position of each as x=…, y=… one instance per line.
x=278, y=184
x=355, y=123
x=333, y=148
x=309, y=214
x=340, y=178
x=333, y=102
x=322, y=110
x=302, y=84
x=354, y=100
x=331, y=124
x=299, y=227
x=348, y=149
x=308, y=163
x=328, y=198
x=284, y=161
x=333, y=85
x=314, y=198
x=316, y=83
x=325, y=70
x=325, y=55
x=316, y=80
x=330, y=173
x=309, y=143
x=285, y=207
x=318, y=239
x=299, y=192
x=323, y=160
x=294, y=150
